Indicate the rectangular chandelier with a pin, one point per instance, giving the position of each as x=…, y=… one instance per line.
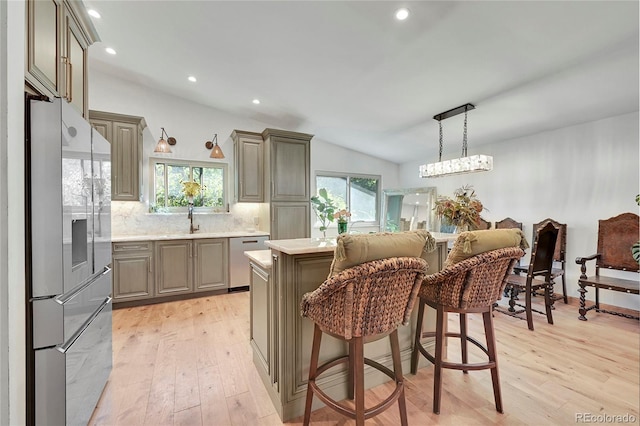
x=457, y=166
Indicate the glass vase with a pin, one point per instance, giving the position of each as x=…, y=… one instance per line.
x=342, y=227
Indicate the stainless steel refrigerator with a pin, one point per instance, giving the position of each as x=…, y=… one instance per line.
x=68, y=254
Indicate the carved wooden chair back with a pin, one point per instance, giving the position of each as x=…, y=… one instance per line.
x=483, y=224
x=616, y=235
x=561, y=242
x=508, y=223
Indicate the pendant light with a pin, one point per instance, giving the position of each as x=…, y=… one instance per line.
x=216, y=150
x=463, y=164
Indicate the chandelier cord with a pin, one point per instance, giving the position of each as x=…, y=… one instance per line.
x=440, y=125
x=464, y=135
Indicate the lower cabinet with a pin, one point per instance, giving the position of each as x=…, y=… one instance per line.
x=146, y=270
x=132, y=271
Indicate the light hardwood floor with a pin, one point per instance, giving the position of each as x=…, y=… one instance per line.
x=189, y=363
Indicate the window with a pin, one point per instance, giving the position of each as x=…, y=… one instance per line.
x=359, y=194
x=166, y=188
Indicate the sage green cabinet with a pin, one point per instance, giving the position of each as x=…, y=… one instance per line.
x=249, y=166
x=132, y=271
x=174, y=270
x=211, y=264
x=124, y=132
x=288, y=165
x=262, y=329
x=290, y=220
x=58, y=35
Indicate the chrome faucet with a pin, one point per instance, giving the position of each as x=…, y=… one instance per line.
x=191, y=227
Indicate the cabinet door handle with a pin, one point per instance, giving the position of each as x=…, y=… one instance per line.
x=65, y=61
x=150, y=262
x=70, y=81
x=241, y=189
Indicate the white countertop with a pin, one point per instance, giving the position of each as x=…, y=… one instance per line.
x=319, y=245
x=195, y=235
x=260, y=257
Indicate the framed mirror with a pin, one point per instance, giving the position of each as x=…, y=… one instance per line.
x=407, y=209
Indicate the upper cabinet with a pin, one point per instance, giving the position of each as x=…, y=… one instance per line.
x=58, y=34
x=124, y=132
x=288, y=164
x=248, y=150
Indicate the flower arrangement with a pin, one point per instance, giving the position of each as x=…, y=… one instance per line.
x=324, y=208
x=191, y=188
x=342, y=216
x=463, y=210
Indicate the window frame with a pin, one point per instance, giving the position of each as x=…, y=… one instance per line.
x=348, y=177
x=153, y=161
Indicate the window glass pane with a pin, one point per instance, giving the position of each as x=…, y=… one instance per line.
x=213, y=180
x=159, y=186
x=175, y=176
x=336, y=189
x=197, y=177
x=363, y=198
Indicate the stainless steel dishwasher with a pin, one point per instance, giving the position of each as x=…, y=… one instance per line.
x=238, y=262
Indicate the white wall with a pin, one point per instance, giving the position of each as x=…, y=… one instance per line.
x=575, y=175
x=12, y=278
x=192, y=124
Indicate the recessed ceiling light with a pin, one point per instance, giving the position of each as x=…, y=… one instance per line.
x=402, y=14
x=94, y=13
x=110, y=51
x=256, y=101
x=192, y=79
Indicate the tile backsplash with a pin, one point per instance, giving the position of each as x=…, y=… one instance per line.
x=133, y=218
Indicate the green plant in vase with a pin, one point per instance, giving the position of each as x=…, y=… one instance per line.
x=324, y=207
x=342, y=217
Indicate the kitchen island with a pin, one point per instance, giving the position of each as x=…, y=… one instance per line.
x=281, y=339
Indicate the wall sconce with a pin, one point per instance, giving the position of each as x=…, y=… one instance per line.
x=163, y=144
x=216, y=152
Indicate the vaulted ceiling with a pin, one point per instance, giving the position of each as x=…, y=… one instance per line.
x=353, y=75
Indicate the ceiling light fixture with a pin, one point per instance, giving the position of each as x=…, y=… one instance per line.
x=110, y=51
x=256, y=101
x=217, y=151
x=402, y=14
x=192, y=79
x=464, y=164
x=94, y=13
x=163, y=144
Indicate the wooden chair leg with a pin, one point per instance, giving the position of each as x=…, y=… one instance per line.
x=350, y=378
x=548, y=302
x=491, y=348
x=437, y=368
x=416, y=342
x=564, y=290
x=358, y=375
x=313, y=367
x=527, y=308
x=463, y=340
x=397, y=369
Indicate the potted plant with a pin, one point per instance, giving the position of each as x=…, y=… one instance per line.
x=342, y=217
x=324, y=207
x=462, y=211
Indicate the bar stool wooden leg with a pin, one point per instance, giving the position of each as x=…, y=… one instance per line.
x=491, y=349
x=397, y=369
x=415, y=353
x=313, y=367
x=358, y=375
x=437, y=368
x=463, y=340
x=350, y=378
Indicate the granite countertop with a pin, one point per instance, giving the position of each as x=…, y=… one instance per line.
x=195, y=235
x=320, y=245
x=261, y=257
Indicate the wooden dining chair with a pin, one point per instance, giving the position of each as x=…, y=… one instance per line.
x=483, y=224
x=538, y=275
x=508, y=223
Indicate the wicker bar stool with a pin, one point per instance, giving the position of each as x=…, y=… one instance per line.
x=470, y=286
x=362, y=304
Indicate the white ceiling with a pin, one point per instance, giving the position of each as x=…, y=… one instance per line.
x=349, y=73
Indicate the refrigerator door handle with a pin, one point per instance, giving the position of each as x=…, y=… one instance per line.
x=64, y=298
x=65, y=347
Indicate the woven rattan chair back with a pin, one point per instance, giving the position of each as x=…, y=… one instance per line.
x=369, y=299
